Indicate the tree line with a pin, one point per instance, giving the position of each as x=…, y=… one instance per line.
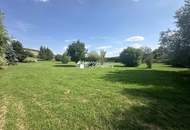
x=174, y=48
x=175, y=44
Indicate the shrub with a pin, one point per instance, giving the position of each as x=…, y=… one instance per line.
x=93, y=56
x=147, y=56
x=58, y=57
x=30, y=60
x=130, y=57
x=65, y=58
x=148, y=61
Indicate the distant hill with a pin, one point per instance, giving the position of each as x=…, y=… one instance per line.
x=33, y=51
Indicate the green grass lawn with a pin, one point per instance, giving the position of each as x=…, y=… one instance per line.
x=51, y=96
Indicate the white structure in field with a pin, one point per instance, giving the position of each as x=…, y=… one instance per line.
x=80, y=65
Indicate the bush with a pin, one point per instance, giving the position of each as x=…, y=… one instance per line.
x=130, y=57
x=58, y=57
x=93, y=56
x=65, y=58
x=30, y=60
x=148, y=61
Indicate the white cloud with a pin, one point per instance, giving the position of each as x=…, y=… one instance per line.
x=104, y=47
x=135, y=39
x=136, y=45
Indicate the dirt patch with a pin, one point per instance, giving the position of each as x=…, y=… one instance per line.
x=3, y=111
x=21, y=119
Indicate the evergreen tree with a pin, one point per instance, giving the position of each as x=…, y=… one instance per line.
x=45, y=53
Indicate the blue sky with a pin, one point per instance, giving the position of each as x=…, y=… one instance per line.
x=101, y=24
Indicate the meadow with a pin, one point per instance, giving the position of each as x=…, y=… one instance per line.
x=53, y=96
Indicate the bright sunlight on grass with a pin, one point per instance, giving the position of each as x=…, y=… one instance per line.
x=51, y=96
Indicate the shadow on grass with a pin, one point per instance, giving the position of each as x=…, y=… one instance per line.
x=64, y=65
x=164, y=105
x=150, y=77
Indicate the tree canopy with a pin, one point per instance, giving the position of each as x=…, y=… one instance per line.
x=177, y=42
x=45, y=53
x=130, y=57
x=77, y=51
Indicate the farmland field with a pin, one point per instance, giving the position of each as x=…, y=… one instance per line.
x=52, y=96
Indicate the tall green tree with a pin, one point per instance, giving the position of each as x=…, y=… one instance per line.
x=45, y=53
x=177, y=43
x=3, y=41
x=3, y=35
x=19, y=50
x=65, y=58
x=77, y=51
x=147, y=56
x=11, y=55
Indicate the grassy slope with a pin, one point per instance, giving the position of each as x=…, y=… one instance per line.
x=48, y=96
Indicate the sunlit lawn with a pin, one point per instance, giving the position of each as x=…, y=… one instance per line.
x=52, y=96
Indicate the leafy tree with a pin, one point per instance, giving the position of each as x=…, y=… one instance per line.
x=102, y=56
x=45, y=53
x=65, y=58
x=58, y=57
x=19, y=50
x=3, y=35
x=93, y=56
x=130, y=57
x=77, y=51
x=177, y=43
x=3, y=41
x=160, y=55
x=11, y=55
x=147, y=56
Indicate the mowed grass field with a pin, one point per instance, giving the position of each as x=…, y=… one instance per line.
x=52, y=96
